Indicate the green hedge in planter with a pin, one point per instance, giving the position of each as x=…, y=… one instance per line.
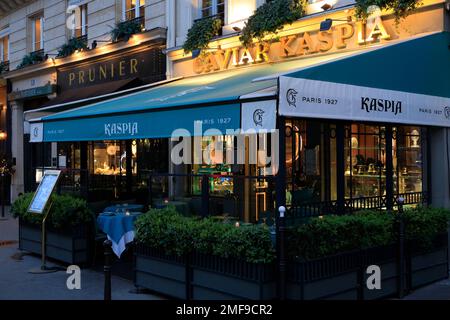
x=166, y=229
x=66, y=211
x=330, y=235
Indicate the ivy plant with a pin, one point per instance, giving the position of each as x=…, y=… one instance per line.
x=401, y=8
x=270, y=18
x=71, y=46
x=124, y=30
x=201, y=33
x=30, y=59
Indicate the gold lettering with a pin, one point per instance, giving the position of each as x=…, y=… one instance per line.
x=325, y=39
x=306, y=44
x=80, y=77
x=71, y=78
x=112, y=70
x=285, y=43
x=262, y=52
x=91, y=75
x=344, y=31
x=133, y=66
x=211, y=63
x=102, y=72
x=235, y=56
x=246, y=57
x=198, y=65
x=225, y=56
x=378, y=31
x=122, y=68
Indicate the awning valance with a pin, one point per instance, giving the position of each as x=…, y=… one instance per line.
x=405, y=83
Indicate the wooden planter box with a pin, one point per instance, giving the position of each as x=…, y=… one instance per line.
x=215, y=278
x=202, y=277
x=159, y=272
x=71, y=246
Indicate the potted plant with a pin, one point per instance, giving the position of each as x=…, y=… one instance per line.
x=190, y=257
x=69, y=228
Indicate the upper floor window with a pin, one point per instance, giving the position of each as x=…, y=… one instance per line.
x=37, y=33
x=212, y=7
x=80, y=24
x=133, y=9
x=4, y=46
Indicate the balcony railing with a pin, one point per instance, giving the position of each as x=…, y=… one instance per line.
x=138, y=20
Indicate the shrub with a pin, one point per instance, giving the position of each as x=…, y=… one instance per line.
x=66, y=211
x=423, y=224
x=270, y=17
x=201, y=33
x=334, y=234
x=167, y=230
x=124, y=30
x=331, y=235
x=401, y=8
x=71, y=46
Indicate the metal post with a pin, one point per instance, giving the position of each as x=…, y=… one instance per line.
x=282, y=256
x=150, y=191
x=205, y=195
x=3, y=194
x=107, y=269
x=401, y=249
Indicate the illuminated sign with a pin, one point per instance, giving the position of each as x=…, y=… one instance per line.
x=339, y=37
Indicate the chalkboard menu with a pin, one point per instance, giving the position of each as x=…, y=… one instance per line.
x=44, y=191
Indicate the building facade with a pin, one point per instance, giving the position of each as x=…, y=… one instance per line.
x=345, y=137
x=39, y=75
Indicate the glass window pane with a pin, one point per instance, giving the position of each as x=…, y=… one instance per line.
x=37, y=34
x=408, y=161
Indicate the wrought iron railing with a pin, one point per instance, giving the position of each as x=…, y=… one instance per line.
x=138, y=20
x=314, y=209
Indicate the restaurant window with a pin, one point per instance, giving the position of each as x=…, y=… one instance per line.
x=37, y=33
x=4, y=49
x=310, y=161
x=214, y=165
x=81, y=21
x=213, y=8
x=133, y=9
x=407, y=148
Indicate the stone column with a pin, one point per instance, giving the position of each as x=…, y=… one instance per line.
x=17, y=180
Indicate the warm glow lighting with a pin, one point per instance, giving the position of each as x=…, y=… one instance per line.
x=3, y=135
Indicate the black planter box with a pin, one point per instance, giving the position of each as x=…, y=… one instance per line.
x=202, y=277
x=159, y=272
x=431, y=266
x=71, y=246
x=215, y=278
x=343, y=276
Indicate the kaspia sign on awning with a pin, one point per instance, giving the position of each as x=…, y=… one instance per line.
x=329, y=100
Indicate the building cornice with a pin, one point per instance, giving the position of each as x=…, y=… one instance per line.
x=155, y=36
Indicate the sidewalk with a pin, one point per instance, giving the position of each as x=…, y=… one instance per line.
x=17, y=283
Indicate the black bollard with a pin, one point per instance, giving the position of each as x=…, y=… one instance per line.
x=282, y=255
x=401, y=249
x=107, y=269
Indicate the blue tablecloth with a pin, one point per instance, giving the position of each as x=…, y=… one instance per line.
x=118, y=226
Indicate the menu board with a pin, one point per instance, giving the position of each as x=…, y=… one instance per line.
x=44, y=191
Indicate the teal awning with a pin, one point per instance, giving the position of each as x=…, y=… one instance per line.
x=212, y=99
x=407, y=82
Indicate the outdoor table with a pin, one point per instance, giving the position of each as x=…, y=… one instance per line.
x=119, y=226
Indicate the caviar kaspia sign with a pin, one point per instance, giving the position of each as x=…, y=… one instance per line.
x=339, y=37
